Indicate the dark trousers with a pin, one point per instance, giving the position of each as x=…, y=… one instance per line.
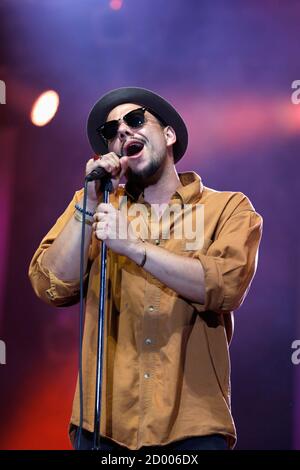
x=211, y=442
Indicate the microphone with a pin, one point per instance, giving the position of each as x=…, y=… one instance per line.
x=98, y=173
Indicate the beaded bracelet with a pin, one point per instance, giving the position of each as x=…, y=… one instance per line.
x=79, y=216
x=80, y=209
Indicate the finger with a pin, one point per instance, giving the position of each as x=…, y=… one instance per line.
x=100, y=216
x=110, y=162
x=93, y=164
x=100, y=161
x=101, y=235
x=124, y=166
x=100, y=225
x=105, y=207
x=114, y=156
x=113, y=161
x=111, y=157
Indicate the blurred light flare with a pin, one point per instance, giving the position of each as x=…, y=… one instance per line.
x=116, y=4
x=237, y=123
x=44, y=108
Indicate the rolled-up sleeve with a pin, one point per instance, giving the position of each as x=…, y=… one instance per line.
x=230, y=262
x=44, y=282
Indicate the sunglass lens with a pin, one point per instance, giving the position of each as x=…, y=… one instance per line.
x=109, y=130
x=135, y=118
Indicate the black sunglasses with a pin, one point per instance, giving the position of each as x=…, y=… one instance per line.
x=134, y=119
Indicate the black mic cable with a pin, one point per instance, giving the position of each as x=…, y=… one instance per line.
x=81, y=317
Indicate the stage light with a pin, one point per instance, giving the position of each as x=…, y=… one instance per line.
x=44, y=108
x=116, y=4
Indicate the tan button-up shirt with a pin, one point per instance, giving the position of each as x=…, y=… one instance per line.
x=166, y=363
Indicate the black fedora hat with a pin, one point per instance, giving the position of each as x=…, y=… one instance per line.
x=154, y=102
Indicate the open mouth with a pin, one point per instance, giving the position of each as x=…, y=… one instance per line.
x=133, y=148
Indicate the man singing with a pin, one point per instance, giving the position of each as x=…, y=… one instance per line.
x=170, y=300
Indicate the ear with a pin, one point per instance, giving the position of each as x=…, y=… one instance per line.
x=170, y=135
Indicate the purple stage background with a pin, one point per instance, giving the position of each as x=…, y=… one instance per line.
x=228, y=66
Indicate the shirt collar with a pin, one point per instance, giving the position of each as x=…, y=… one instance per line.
x=190, y=190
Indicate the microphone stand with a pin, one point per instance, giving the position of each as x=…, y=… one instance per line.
x=106, y=185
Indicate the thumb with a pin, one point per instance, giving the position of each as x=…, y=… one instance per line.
x=124, y=165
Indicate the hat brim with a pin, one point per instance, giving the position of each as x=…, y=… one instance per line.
x=143, y=97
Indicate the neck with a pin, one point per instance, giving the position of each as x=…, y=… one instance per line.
x=162, y=190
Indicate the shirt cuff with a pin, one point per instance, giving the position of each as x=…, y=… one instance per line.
x=213, y=282
x=57, y=291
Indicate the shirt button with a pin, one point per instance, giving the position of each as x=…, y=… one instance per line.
x=147, y=375
x=148, y=341
x=157, y=242
x=151, y=308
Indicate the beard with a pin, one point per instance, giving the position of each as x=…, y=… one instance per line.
x=148, y=175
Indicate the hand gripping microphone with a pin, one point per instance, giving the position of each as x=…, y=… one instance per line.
x=98, y=173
